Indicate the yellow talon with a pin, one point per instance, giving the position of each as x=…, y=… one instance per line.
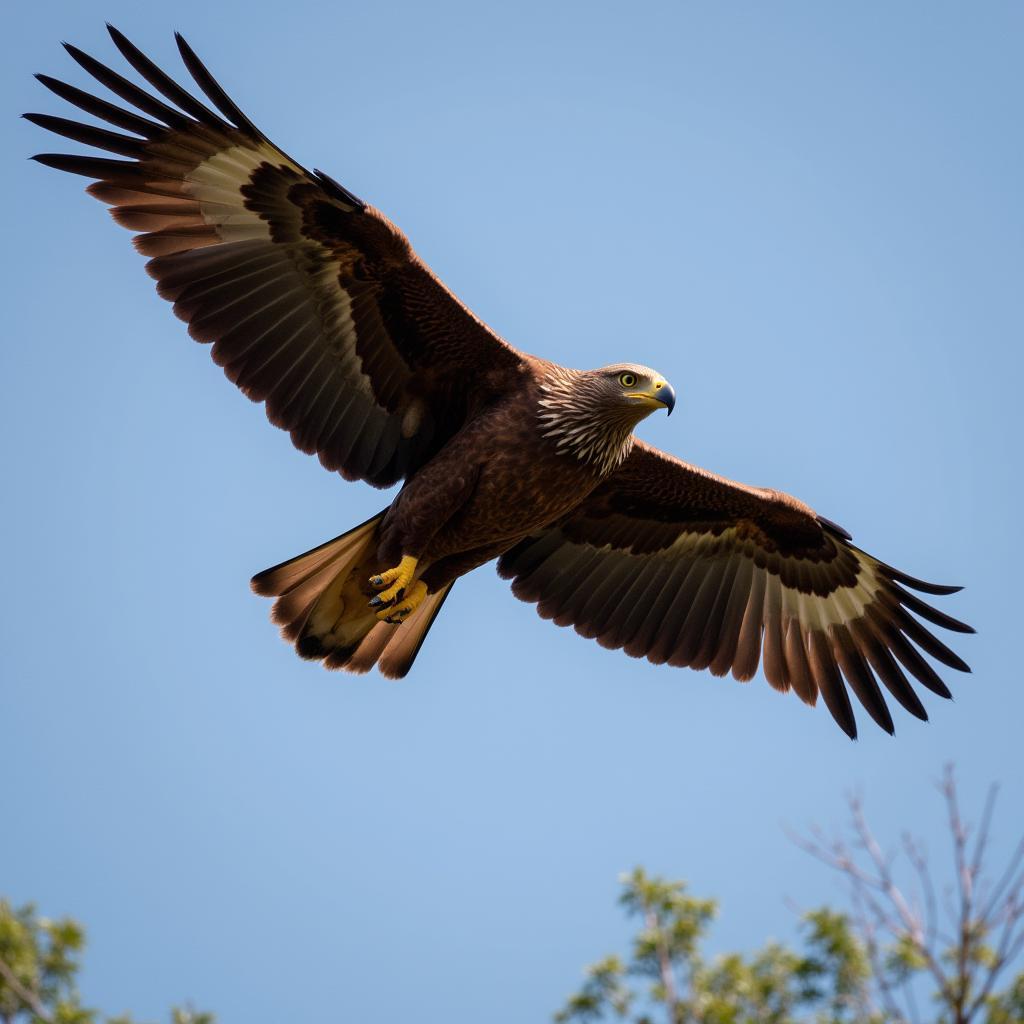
x=407, y=605
x=400, y=577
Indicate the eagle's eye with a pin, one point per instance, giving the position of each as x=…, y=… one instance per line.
x=627, y=380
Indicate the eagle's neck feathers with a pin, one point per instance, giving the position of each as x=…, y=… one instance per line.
x=580, y=424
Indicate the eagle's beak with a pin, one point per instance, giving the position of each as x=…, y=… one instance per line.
x=666, y=394
x=656, y=393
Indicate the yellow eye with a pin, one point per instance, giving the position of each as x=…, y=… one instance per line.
x=627, y=380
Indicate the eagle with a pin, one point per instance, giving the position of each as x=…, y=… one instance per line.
x=316, y=305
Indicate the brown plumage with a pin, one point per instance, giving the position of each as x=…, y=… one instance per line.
x=316, y=305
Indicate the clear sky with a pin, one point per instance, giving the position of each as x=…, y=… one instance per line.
x=808, y=216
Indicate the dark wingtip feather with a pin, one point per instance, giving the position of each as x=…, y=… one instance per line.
x=834, y=528
x=882, y=718
x=162, y=82
x=51, y=83
x=930, y=644
x=87, y=166
x=214, y=92
x=926, y=611
x=77, y=54
x=120, y=86
x=101, y=108
x=958, y=663
x=338, y=191
x=90, y=135
x=923, y=586
x=838, y=704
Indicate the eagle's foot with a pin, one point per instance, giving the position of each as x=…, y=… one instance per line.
x=399, y=578
x=406, y=605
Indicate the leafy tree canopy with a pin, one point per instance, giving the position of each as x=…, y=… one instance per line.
x=39, y=965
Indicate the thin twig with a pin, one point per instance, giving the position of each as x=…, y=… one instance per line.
x=1007, y=881
x=868, y=934
x=965, y=883
x=920, y=864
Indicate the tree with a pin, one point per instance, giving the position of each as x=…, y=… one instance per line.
x=39, y=964
x=871, y=965
x=959, y=950
x=773, y=986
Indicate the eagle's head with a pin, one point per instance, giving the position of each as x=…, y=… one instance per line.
x=591, y=413
x=630, y=390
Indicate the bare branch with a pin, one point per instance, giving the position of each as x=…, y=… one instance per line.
x=987, y=936
x=1011, y=944
x=916, y=856
x=668, y=979
x=904, y=923
x=866, y=927
x=984, y=829
x=1010, y=881
x=965, y=889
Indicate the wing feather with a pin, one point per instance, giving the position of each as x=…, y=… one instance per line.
x=314, y=302
x=676, y=565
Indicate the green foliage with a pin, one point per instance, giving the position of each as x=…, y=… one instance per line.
x=1008, y=1006
x=772, y=986
x=604, y=991
x=871, y=967
x=837, y=969
x=39, y=964
x=669, y=979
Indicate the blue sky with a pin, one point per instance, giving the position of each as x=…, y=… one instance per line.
x=807, y=216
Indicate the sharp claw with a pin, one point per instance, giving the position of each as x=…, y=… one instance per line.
x=376, y=581
x=375, y=601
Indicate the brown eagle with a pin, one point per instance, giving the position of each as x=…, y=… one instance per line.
x=316, y=305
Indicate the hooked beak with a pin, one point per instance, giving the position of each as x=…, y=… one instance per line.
x=666, y=394
x=656, y=394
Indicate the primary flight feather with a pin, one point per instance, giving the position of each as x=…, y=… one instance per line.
x=316, y=305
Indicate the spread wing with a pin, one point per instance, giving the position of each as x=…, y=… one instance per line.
x=673, y=563
x=314, y=301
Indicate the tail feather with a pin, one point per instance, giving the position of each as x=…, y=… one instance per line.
x=408, y=638
x=393, y=649
x=322, y=606
x=281, y=579
x=372, y=646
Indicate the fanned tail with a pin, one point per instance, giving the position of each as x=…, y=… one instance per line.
x=323, y=608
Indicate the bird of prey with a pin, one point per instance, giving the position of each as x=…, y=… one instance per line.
x=316, y=305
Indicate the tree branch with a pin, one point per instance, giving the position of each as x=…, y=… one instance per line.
x=26, y=995
x=668, y=980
